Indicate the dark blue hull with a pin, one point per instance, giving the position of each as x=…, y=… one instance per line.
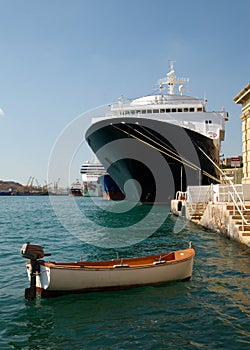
x=160, y=157
x=110, y=189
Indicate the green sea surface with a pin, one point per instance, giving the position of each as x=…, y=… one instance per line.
x=211, y=311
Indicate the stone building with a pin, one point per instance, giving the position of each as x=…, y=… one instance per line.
x=243, y=98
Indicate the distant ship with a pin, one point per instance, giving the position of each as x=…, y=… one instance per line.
x=91, y=171
x=110, y=189
x=76, y=189
x=97, y=183
x=160, y=143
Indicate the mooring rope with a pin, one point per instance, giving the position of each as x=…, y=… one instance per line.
x=174, y=155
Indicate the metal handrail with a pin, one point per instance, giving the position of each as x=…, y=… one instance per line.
x=244, y=221
x=236, y=193
x=180, y=195
x=193, y=206
x=190, y=202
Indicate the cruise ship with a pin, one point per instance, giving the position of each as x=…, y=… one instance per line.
x=156, y=145
x=91, y=172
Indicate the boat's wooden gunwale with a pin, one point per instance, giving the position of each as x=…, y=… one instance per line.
x=131, y=263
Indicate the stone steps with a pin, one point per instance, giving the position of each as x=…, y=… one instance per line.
x=196, y=215
x=235, y=212
x=195, y=221
x=238, y=217
x=244, y=233
x=245, y=228
x=231, y=207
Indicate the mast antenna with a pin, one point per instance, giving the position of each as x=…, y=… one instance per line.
x=171, y=80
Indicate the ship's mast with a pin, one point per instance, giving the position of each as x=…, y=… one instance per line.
x=171, y=80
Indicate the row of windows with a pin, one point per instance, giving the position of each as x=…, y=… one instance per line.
x=165, y=110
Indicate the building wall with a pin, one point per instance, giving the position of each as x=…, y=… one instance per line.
x=243, y=98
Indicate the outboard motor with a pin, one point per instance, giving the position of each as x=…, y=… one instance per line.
x=32, y=252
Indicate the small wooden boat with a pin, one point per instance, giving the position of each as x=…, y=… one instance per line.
x=59, y=278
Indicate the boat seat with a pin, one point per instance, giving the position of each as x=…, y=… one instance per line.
x=120, y=265
x=158, y=262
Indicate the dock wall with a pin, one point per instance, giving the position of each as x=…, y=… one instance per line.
x=217, y=218
x=212, y=207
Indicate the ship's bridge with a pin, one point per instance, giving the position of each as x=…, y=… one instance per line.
x=168, y=100
x=160, y=104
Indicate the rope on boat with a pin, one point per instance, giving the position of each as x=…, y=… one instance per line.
x=172, y=154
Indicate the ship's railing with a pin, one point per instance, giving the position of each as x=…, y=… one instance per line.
x=198, y=125
x=160, y=100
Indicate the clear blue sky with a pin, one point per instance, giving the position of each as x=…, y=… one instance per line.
x=60, y=58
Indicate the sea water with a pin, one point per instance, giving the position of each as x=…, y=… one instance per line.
x=211, y=311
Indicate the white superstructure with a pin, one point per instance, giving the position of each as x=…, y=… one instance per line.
x=185, y=111
x=91, y=171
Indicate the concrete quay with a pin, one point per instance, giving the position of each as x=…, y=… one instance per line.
x=218, y=208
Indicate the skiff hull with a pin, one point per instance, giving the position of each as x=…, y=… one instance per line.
x=64, y=278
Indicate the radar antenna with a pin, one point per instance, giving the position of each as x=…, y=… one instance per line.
x=171, y=80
